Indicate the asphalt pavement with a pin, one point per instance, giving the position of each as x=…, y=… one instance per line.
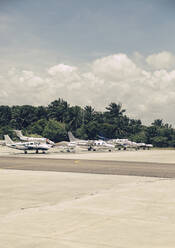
x=151, y=169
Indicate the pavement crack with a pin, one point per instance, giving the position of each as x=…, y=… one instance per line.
x=30, y=207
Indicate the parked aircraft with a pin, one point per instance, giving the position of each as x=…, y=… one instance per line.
x=2, y=142
x=25, y=138
x=79, y=142
x=101, y=144
x=25, y=146
x=125, y=143
x=90, y=144
x=103, y=138
x=66, y=146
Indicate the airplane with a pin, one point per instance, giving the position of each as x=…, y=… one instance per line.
x=2, y=142
x=25, y=146
x=118, y=143
x=148, y=146
x=25, y=138
x=79, y=142
x=91, y=144
x=66, y=146
x=103, y=138
x=101, y=144
x=125, y=143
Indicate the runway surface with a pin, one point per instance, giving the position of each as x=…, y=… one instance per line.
x=123, y=199
x=162, y=170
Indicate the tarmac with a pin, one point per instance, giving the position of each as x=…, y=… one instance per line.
x=43, y=207
x=153, y=155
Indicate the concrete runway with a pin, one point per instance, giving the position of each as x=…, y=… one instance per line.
x=72, y=210
x=43, y=204
x=150, y=156
x=163, y=170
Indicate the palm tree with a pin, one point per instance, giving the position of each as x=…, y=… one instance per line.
x=115, y=110
x=75, y=117
x=58, y=110
x=88, y=114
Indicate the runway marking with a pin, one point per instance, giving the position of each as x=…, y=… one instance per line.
x=76, y=161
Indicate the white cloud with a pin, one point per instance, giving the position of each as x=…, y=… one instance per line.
x=145, y=94
x=163, y=60
x=115, y=67
x=61, y=68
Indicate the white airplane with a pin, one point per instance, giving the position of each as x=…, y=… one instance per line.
x=25, y=138
x=25, y=146
x=148, y=146
x=101, y=144
x=2, y=142
x=90, y=144
x=120, y=143
x=66, y=146
x=131, y=144
x=125, y=143
x=79, y=142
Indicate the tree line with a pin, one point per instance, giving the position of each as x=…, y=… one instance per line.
x=56, y=119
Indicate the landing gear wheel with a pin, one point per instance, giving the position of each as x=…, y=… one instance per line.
x=36, y=151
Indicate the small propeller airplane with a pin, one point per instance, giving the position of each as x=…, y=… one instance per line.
x=90, y=144
x=26, y=146
x=25, y=138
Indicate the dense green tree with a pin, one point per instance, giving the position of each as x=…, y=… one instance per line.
x=134, y=126
x=5, y=115
x=75, y=117
x=58, y=110
x=22, y=116
x=107, y=130
x=139, y=137
x=99, y=117
x=92, y=130
x=81, y=132
x=41, y=112
x=160, y=141
x=88, y=114
x=6, y=130
x=151, y=132
x=37, y=127
x=157, y=123
x=55, y=131
x=115, y=110
x=54, y=120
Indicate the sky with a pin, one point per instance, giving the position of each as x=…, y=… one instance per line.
x=90, y=53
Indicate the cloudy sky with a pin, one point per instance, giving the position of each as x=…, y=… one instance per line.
x=90, y=53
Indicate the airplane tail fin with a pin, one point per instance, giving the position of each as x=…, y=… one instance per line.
x=71, y=137
x=8, y=141
x=18, y=133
